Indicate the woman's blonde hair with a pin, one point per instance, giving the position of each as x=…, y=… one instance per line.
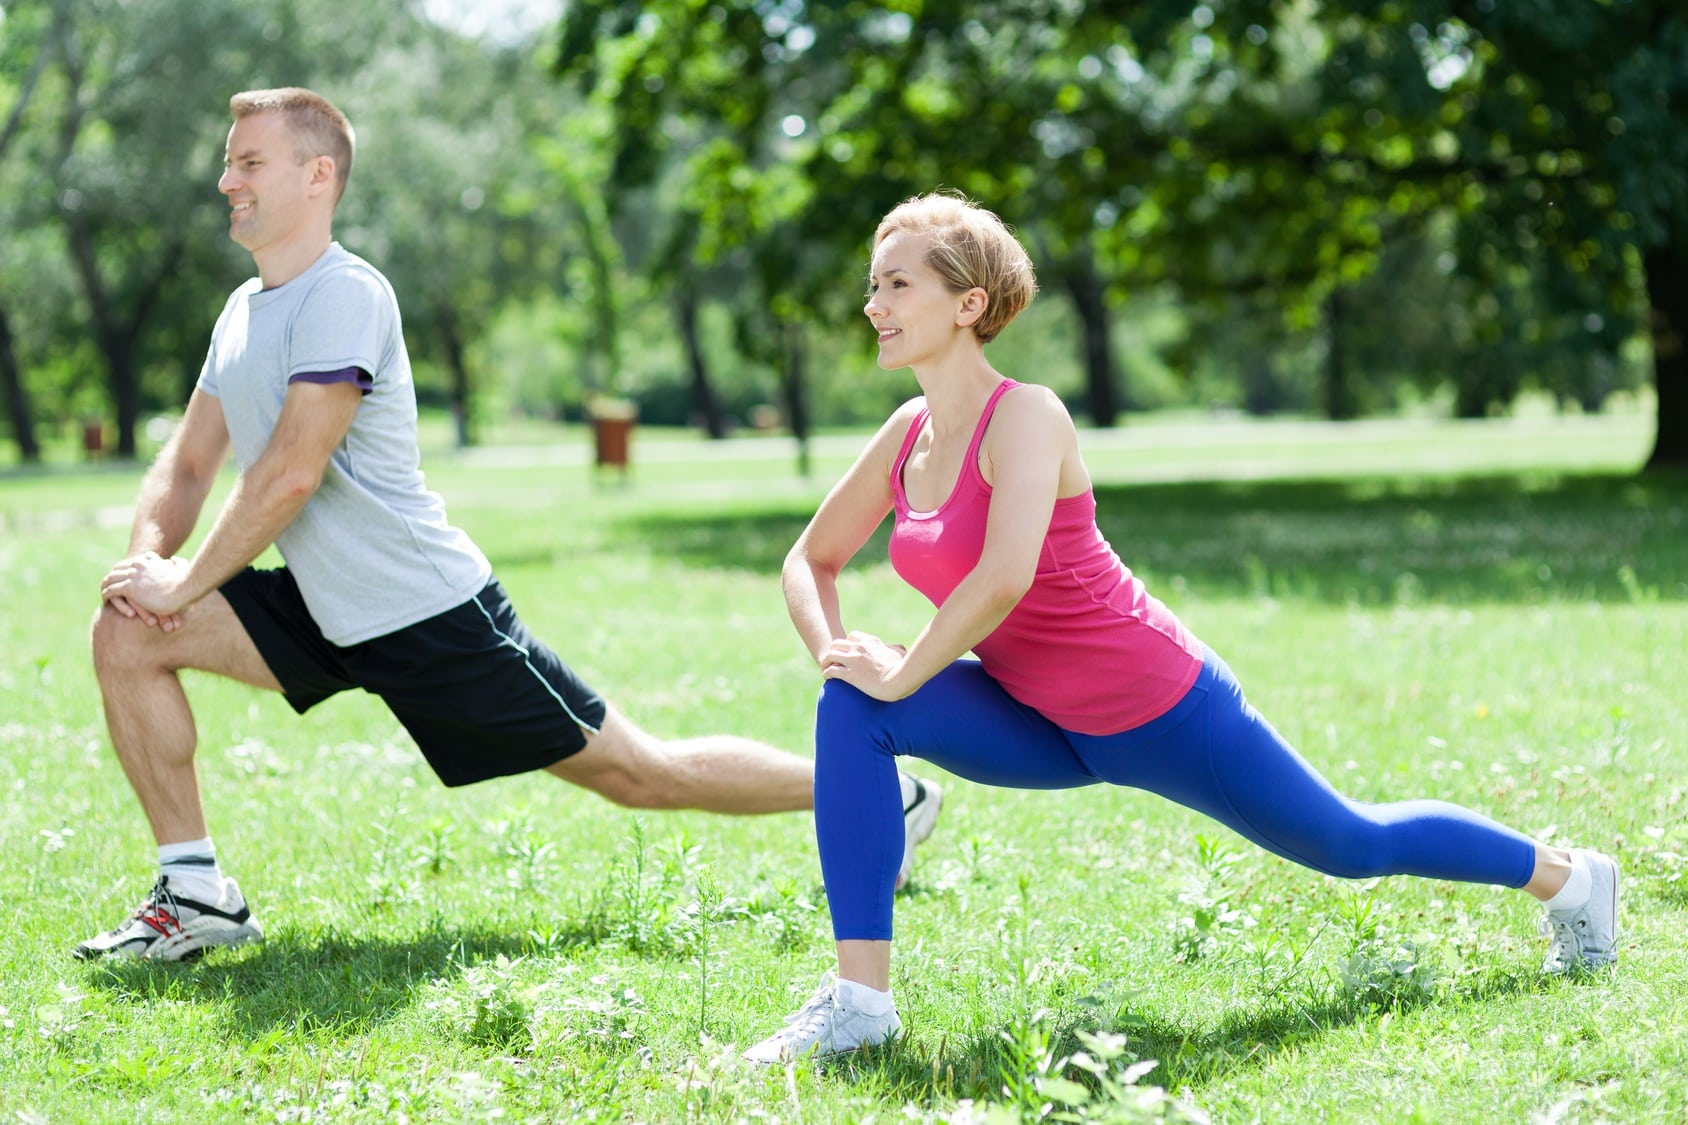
x=317, y=126
x=970, y=248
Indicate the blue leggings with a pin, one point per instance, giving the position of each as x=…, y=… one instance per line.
x=1212, y=752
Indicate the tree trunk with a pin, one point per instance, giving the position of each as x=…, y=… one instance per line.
x=452, y=340
x=115, y=334
x=114, y=348
x=1089, y=301
x=1667, y=293
x=17, y=396
x=793, y=383
x=703, y=395
x=1339, y=389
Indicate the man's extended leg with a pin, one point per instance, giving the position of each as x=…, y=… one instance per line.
x=716, y=773
x=720, y=773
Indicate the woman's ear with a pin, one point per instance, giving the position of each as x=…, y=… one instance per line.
x=973, y=305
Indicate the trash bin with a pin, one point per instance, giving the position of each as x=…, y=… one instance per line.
x=612, y=433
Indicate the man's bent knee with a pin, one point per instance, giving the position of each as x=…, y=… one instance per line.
x=210, y=638
x=120, y=643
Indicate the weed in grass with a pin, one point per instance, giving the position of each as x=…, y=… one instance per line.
x=434, y=854
x=1028, y=1064
x=1659, y=867
x=1016, y=937
x=982, y=858
x=1381, y=970
x=615, y=1022
x=528, y=853
x=696, y=924
x=491, y=1005
x=1278, y=957
x=787, y=915
x=387, y=879
x=1212, y=916
x=640, y=919
x=55, y=839
x=1097, y=1083
x=59, y=1022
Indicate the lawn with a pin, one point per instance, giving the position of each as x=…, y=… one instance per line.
x=1493, y=613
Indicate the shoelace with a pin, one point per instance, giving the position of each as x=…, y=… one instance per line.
x=810, y=1018
x=1567, y=946
x=160, y=910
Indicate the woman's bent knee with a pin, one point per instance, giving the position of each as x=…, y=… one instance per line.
x=842, y=703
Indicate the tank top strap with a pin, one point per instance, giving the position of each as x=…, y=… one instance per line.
x=971, y=463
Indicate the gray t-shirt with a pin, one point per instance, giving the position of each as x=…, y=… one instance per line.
x=371, y=550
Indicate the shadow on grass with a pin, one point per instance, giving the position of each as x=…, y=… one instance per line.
x=331, y=984
x=1524, y=538
x=1186, y=1056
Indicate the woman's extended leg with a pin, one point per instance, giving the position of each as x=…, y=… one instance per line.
x=1214, y=753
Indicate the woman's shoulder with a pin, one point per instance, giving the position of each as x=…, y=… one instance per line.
x=907, y=411
x=1034, y=404
x=889, y=437
x=894, y=427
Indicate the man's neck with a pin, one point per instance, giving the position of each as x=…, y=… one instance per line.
x=281, y=263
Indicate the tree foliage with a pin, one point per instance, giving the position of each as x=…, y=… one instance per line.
x=1237, y=149
x=1343, y=198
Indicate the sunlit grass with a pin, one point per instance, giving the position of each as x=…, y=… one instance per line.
x=518, y=949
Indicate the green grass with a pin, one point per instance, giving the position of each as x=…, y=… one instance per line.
x=1495, y=615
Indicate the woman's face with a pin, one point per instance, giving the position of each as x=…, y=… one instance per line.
x=911, y=308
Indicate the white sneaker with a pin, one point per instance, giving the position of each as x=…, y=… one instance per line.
x=921, y=802
x=168, y=928
x=1587, y=937
x=825, y=1028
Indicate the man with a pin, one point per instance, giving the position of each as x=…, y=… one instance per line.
x=308, y=383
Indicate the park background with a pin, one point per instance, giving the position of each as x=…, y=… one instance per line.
x=1372, y=319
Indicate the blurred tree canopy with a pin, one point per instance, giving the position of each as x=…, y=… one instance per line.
x=115, y=255
x=1328, y=205
x=1325, y=164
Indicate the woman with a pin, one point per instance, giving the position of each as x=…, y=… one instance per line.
x=1081, y=676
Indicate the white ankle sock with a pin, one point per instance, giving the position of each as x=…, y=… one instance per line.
x=192, y=868
x=1577, y=889
x=868, y=1001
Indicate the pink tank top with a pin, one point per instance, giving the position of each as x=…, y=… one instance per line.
x=1087, y=647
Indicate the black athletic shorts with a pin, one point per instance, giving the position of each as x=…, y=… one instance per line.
x=481, y=695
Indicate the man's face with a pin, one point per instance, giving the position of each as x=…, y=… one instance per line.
x=268, y=187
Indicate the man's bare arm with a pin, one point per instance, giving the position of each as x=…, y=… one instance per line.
x=314, y=421
x=174, y=489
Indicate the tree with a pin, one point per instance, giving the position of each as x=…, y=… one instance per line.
x=1554, y=132
x=806, y=124
x=1597, y=98
x=126, y=172
x=117, y=160
x=449, y=195
x=25, y=52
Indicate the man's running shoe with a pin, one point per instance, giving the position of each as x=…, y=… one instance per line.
x=168, y=928
x=921, y=802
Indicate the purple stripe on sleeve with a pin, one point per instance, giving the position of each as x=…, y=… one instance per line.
x=364, y=380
